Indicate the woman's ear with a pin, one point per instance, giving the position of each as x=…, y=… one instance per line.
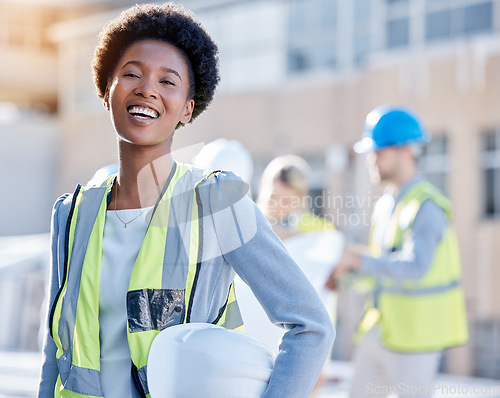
x=105, y=100
x=188, y=112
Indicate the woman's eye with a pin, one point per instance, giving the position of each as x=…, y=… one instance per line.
x=130, y=74
x=167, y=82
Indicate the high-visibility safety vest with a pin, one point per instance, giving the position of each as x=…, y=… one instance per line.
x=309, y=222
x=161, y=287
x=416, y=315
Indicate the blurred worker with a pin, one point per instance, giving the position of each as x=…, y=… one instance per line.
x=417, y=308
x=283, y=197
x=284, y=200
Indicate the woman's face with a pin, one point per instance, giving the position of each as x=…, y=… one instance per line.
x=148, y=94
x=281, y=201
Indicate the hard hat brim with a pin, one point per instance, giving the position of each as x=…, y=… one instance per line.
x=366, y=144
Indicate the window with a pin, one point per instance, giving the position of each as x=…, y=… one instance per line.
x=362, y=9
x=486, y=348
x=434, y=162
x=361, y=49
x=298, y=60
x=490, y=158
x=398, y=33
x=361, y=33
x=314, y=57
x=316, y=177
x=397, y=24
x=27, y=30
x=438, y=25
x=458, y=21
x=477, y=18
x=312, y=35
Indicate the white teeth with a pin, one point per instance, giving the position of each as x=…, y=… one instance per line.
x=141, y=111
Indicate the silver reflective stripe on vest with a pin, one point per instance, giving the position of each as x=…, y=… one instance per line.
x=143, y=378
x=177, y=245
x=176, y=258
x=74, y=378
x=421, y=291
x=79, y=380
x=89, y=208
x=84, y=381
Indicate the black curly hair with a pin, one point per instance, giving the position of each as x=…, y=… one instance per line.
x=168, y=23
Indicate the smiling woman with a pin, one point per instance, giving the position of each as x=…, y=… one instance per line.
x=148, y=95
x=159, y=243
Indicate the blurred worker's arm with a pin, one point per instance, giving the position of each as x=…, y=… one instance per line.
x=411, y=262
x=286, y=295
x=415, y=257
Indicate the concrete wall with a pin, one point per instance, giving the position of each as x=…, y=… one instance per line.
x=28, y=159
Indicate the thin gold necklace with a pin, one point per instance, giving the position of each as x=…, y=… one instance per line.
x=135, y=218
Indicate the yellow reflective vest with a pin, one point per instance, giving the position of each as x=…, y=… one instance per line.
x=310, y=222
x=416, y=315
x=161, y=287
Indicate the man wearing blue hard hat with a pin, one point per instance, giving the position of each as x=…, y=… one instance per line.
x=416, y=308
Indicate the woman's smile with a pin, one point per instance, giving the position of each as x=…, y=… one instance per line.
x=142, y=112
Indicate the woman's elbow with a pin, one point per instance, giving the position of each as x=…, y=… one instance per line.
x=327, y=330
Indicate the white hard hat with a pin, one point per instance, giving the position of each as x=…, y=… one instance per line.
x=104, y=172
x=223, y=154
x=205, y=360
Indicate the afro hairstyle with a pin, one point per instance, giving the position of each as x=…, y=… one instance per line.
x=168, y=23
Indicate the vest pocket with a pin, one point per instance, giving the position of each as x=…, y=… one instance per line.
x=154, y=309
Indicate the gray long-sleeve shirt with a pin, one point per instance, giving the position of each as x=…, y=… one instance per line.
x=415, y=258
x=264, y=264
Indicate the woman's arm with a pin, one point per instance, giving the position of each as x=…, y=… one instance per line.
x=49, y=371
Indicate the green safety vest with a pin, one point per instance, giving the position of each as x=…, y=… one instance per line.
x=416, y=315
x=309, y=222
x=161, y=287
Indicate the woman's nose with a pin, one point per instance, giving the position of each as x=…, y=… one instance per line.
x=146, y=88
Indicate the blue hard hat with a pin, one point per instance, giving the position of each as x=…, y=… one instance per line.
x=391, y=126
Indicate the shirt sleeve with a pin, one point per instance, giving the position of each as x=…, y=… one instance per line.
x=290, y=301
x=415, y=257
x=49, y=371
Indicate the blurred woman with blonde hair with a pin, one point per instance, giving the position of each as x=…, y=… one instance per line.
x=283, y=197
